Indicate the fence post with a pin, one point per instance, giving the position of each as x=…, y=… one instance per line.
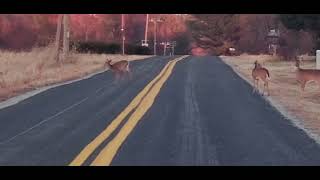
x=318, y=59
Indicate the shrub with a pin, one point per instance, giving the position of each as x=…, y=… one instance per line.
x=99, y=47
x=96, y=47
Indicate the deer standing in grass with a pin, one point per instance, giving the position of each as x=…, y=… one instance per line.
x=119, y=68
x=306, y=75
x=260, y=73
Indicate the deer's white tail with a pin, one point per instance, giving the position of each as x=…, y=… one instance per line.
x=128, y=69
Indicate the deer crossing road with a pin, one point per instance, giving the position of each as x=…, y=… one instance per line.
x=182, y=110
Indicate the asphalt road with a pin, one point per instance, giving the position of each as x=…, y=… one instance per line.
x=201, y=114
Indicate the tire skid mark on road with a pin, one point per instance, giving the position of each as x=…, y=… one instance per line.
x=193, y=133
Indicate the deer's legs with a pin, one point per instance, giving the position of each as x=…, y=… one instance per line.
x=125, y=74
x=122, y=75
x=254, y=85
x=266, y=87
x=129, y=74
x=116, y=76
x=257, y=86
x=268, y=90
x=303, y=85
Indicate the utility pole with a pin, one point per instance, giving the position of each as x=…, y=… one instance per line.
x=144, y=42
x=155, y=39
x=146, y=29
x=122, y=32
x=173, y=45
x=155, y=21
x=164, y=47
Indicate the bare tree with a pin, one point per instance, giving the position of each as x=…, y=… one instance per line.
x=66, y=35
x=58, y=35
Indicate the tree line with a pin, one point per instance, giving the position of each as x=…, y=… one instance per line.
x=299, y=33
x=213, y=32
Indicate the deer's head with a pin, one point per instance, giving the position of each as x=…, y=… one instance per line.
x=256, y=64
x=297, y=63
x=108, y=63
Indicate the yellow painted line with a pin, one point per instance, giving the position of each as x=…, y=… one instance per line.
x=89, y=149
x=107, y=154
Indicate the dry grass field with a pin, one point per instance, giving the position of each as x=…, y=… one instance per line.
x=24, y=71
x=284, y=88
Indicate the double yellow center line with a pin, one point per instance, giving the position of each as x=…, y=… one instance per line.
x=140, y=104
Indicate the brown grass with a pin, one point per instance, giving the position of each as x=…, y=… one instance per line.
x=24, y=71
x=284, y=89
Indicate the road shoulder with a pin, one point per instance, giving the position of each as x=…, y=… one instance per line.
x=23, y=96
x=274, y=102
